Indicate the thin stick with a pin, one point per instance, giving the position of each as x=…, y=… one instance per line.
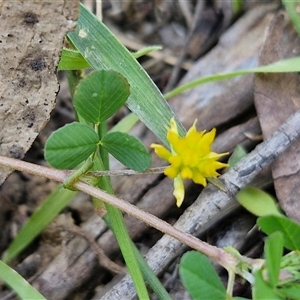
x=219, y=255
x=157, y=170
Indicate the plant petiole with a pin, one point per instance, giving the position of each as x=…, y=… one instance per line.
x=74, y=176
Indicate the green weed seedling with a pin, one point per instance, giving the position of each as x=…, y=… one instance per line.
x=97, y=97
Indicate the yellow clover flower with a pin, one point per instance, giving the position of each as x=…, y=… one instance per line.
x=190, y=157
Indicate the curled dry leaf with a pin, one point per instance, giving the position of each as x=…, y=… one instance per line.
x=31, y=38
x=277, y=97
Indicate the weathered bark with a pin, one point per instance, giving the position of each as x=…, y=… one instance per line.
x=31, y=39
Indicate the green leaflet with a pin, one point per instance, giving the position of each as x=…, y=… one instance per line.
x=70, y=145
x=128, y=150
x=289, y=229
x=100, y=94
x=257, y=202
x=200, y=278
x=273, y=254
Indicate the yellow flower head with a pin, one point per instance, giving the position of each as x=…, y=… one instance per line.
x=190, y=157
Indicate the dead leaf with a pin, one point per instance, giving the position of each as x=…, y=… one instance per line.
x=277, y=97
x=31, y=38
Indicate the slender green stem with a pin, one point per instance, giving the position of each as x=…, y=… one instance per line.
x=114, y=213
x=157, y=170
x=102, y=130
x=145, y=51
x=125, y=244
x=119, y=228
x=73, y=177
x=231, y=277
x=148, y=273
x=150, y=277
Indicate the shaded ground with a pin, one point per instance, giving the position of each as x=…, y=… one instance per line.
x=208, y=38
